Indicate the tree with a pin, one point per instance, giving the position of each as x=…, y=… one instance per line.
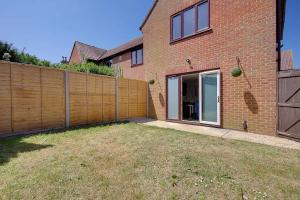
x=8, y=48
x=19, y=57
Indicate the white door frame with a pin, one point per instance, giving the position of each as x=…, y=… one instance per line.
x=218, y=123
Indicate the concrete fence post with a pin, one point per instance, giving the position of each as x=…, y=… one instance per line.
x=147, y=101
x=116, y=100
x=67, y=98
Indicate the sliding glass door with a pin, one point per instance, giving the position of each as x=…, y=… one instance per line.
x=173, y=98
x=188, y=105
x=209, y=85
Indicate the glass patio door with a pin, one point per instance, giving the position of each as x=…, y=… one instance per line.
x=209, y=85
x=173, y=98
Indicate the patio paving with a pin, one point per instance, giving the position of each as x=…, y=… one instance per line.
x=222, y=133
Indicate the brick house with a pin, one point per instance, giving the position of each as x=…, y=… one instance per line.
x=190, y=47
x=120, y=56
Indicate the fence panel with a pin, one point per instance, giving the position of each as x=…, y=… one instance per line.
x=123, y=98
x=94, y=98
x=78, y=99
x=142, y=99
x=133, y=98
x=35, y=98
x=5, y=99
x=26, y=98
x=109, y=99
x=289, y=103
x=53, y=99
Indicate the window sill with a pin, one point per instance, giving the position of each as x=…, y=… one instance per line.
x=202, y=32
x=137, y=65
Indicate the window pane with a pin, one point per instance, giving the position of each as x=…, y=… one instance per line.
x=139, y=56
x=176, y=27
x=209, y=98
x=189, y=22
x=133, y=57
x=173, y=99
x=203, y=16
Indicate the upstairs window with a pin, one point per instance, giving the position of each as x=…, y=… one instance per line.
x=203, y=15
x=191, y=21
x=137, y=57
x=176, y=24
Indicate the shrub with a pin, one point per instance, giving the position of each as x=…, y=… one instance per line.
x=9, y=53
x=89, y=68
x=19, y=57
x=6, y=48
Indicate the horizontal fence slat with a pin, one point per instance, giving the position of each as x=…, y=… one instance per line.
x=292, y=105
x=287, y=74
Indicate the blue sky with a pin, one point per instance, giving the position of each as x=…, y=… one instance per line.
x=48, y=28
x=292, y=29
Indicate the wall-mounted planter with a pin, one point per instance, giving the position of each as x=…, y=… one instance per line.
x=151, y=82
x=236, y=72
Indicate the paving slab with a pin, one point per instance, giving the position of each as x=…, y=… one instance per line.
x=222, y=133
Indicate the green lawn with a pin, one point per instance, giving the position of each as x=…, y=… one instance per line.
x=130, y=161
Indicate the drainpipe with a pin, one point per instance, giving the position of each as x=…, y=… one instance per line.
x=280, y=15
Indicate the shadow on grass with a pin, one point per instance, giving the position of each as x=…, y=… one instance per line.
x=11, y=147
x=83, y=127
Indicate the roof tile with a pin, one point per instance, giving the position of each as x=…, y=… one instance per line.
x=88, y=51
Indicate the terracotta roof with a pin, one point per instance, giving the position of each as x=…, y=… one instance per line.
x=129, y=45
x=149, y=13
x=287, y=60
x=88, y=52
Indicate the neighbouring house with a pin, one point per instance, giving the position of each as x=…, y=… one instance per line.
x=189, y=49
x=128, y=57
x=82, y=52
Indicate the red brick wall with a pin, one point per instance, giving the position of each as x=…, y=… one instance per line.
x=246, y=29
x=75, y=58
x=124, y=62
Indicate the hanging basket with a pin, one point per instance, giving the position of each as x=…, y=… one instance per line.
x=236, y=72
x=151, y=82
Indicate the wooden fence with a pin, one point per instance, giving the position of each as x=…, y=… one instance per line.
x=36, y=98
x=289, y=103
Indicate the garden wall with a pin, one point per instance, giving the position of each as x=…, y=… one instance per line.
x=35, y=98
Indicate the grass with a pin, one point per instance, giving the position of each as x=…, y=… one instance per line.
x=130, y=161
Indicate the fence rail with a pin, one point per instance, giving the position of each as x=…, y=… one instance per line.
x=35, y=98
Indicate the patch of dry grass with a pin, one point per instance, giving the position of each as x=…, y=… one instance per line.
x=130, y=161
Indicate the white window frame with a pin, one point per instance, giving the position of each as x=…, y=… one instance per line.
x=218, y=123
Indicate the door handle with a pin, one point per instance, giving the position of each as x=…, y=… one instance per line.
x=218, y=99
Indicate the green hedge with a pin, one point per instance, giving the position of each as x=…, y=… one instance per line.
x=20, y=57
x=87, y=67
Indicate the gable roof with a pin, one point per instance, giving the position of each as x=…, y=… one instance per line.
x=149, y=13
x=89, y=52
x=124, y=47
x=281, y=11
